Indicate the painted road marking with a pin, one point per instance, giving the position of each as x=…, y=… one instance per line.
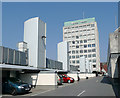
x=81, y=93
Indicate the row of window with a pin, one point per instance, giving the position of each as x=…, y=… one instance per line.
x=79, y=31
x=82, y=41
x=89, y=25
x=77, y=37
x=94, y=66
x=83, y=51
x=84, y=46
x=78, y=56
x=78, y=61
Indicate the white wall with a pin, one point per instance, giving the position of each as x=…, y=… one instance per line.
x=34, y=29
x=40, y=78
x=63, y=55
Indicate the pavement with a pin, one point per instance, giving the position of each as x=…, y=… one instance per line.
x=97, y=86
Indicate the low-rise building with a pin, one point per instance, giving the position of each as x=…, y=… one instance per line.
x=103, y=68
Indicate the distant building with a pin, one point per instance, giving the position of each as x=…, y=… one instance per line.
x=12, y=56
x=35, y=37
x=52, y=64
x=103, y=68
x=114, y=54
x=83, y=38
x=22, y=46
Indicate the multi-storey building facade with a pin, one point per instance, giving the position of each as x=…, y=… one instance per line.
x=83, y=38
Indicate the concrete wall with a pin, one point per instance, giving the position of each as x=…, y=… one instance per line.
x=113, y=53
x=39, y=79
x=82, y=76
x=63, y=55
x=85, y=65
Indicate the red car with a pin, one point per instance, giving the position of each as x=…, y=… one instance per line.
x=67, y=79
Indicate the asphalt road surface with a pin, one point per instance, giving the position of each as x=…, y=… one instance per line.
x=97, y=86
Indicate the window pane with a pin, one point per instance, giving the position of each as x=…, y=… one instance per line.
x=89, y=50
x=89, y=45
x=94, y=66
x=77, y=61
x=73, y=61
x=85, y=56
x=81, y=41
x=94, y=55
x=85, y=41
x=81, y=51
x=92, y=25
x=73, y=52
x=85, y=46
x=89, y=55
x=85, y=51
x=77, y=56
x=77, y=46
x=77, y=37
x=81, y=55
x=73, y=42
x=93, y=50
x=73, y=57
x=93, y=45
x=94, y=60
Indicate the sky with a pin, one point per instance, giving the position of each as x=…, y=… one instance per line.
x=54, y=15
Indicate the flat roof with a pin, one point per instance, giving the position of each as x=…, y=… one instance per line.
x=7, y=66
x=18, y=67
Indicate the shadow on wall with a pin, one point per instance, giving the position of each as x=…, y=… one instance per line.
x=29, y=78
x=116, y=82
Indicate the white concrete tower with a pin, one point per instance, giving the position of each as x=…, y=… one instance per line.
x=35, y=37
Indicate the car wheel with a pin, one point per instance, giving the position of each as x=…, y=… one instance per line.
x=68, y=81
x=13, y=91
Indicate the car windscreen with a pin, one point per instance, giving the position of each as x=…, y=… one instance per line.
x=15, y=80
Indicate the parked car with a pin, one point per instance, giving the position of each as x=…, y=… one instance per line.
x=15, y=86
x=67, y=79
x=59, y=80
